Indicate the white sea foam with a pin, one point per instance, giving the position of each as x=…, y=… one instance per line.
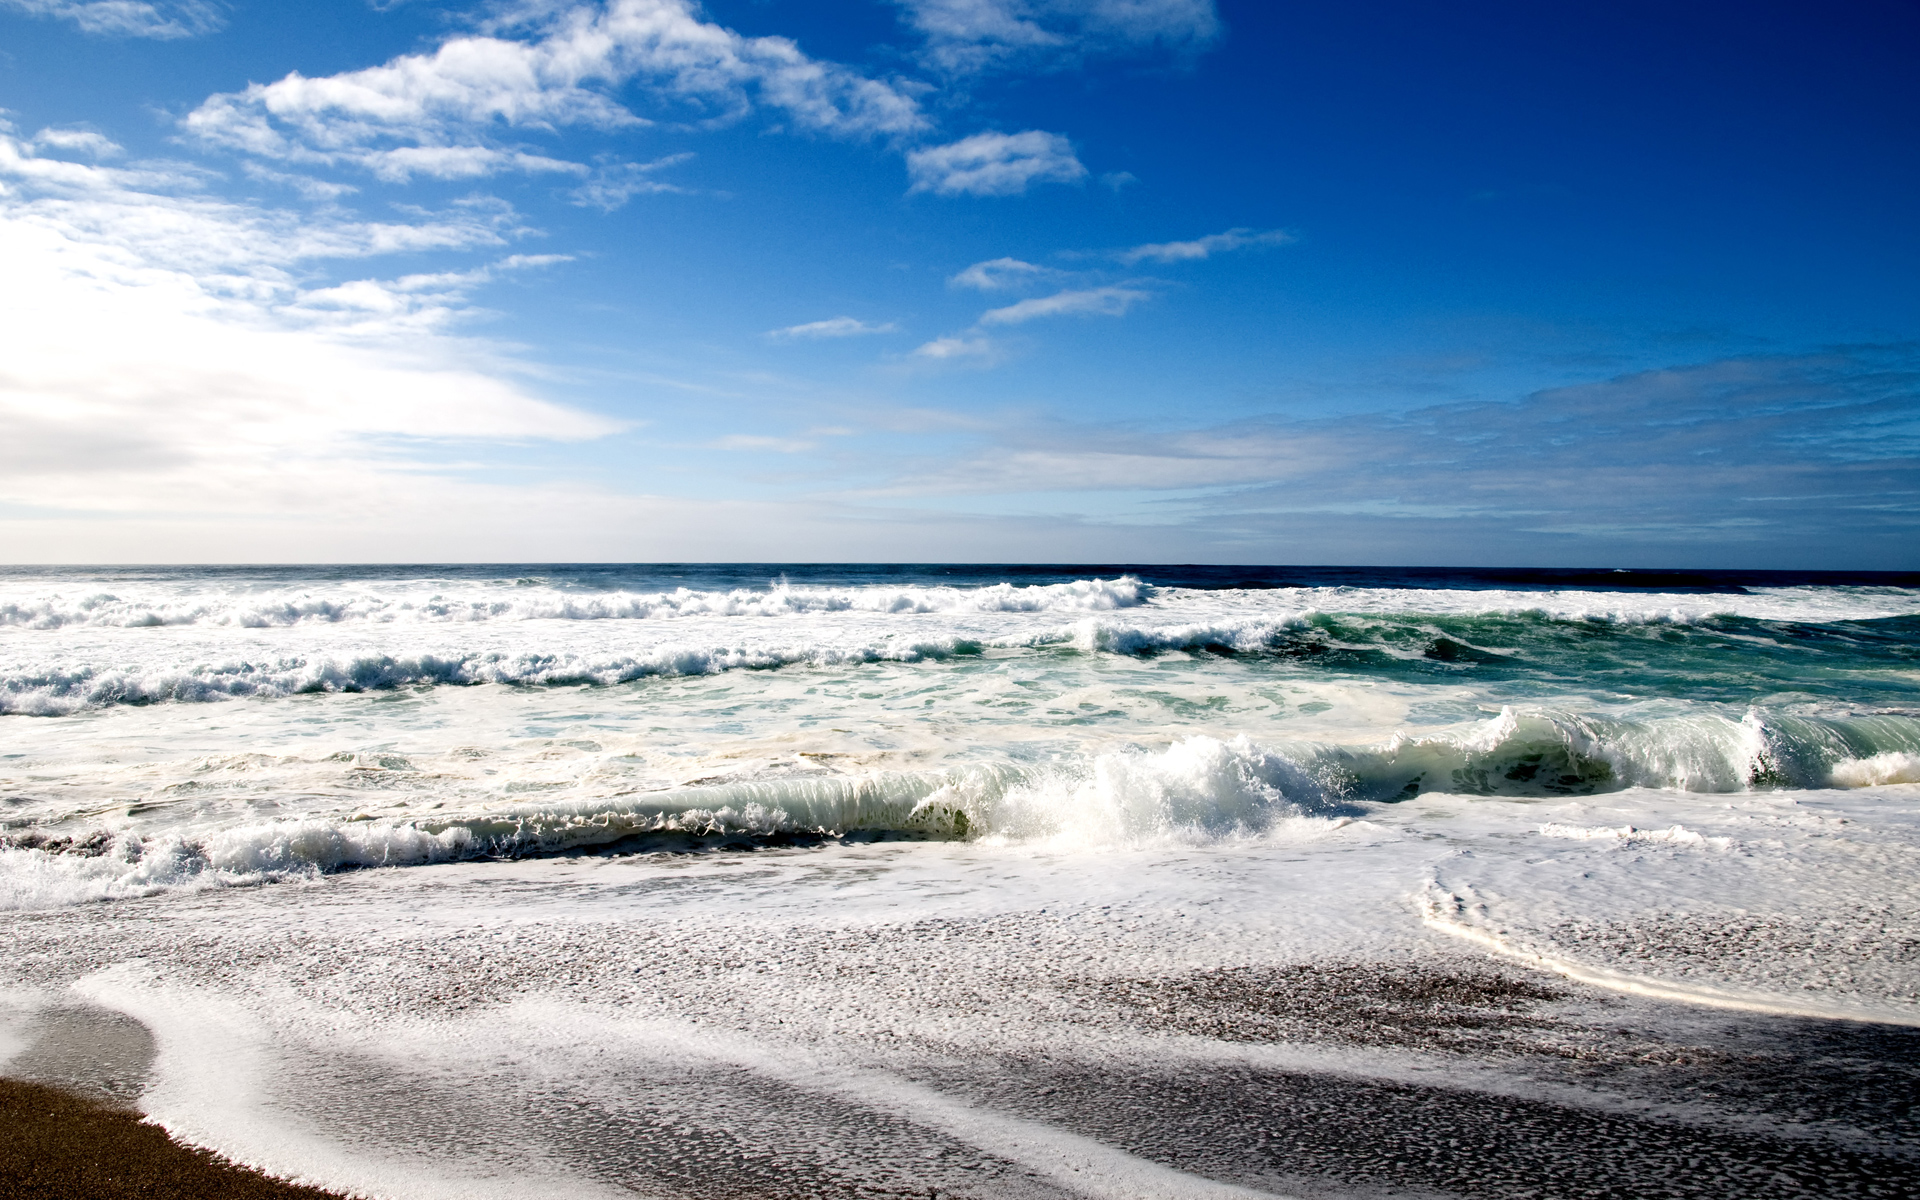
x=1672, y=835
x=435, y=603
x=375, y=881
x=1197, y=790
x=64, y=650
x=1893, y=767
x=50, y=691
x=54, y=603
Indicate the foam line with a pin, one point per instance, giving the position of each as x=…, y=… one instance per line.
x=1432, y=915
x=213, y=1079
x=1199, y=789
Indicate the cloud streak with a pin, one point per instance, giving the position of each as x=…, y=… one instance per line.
x=1000, y=274
x=979, y=350
x=833, y=327
x=968, y=36
x=162, y=344
x=538, y=69
x=1205, y=247
x=1083, y=302
x=129, y=18
x=1738, y=457
x=615, y=183
x=994, y=164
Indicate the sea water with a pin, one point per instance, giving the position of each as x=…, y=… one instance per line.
x=620, y=872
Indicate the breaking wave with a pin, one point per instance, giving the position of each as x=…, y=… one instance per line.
x=1200, y=789
x=423, y=605
x=56, y=692
x=1723, y=659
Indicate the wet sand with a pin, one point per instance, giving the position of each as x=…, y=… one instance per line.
x=69, y=1129
x=1650, y=1101
x=488, y=1033
x=61, y=1145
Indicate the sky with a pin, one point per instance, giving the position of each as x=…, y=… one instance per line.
x=1584, y=284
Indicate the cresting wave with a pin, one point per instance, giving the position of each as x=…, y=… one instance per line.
x=1680, y=658
x=1198, y=790
x=424, y=604
x=57, y=692
x=65, y=687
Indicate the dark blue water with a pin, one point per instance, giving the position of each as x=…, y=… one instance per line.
x=726, y=576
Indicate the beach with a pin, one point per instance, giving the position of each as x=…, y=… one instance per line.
x=574, y=882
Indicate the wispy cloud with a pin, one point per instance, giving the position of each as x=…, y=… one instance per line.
x=976, y=348
x=129, y=18
x=1101, y=301
x=420, y=303
x=832, y=327
x=1205, y=247
x=1000, y=274
x=537, y=68
x=165, y=344
x=965, y=36
x=979, y=350
x=157, y=214
x=1760, y=453
x=994, y=164
x=762, y=442
x=615, y=183
x=77, y=141
x=309, y=188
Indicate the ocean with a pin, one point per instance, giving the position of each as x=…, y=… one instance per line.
x=777, y=880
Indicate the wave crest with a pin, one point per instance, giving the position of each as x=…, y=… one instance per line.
x=418, y=605
x=1200, y=789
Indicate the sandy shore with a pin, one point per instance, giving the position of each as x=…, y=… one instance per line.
x=587, y=1030
x=1710, y=1105
x=60, y=1145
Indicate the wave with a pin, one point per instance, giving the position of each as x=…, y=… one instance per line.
x=1724, y=659
x=1198, y=790
x=59, y=692
x=422, y=605
x=1877, y=770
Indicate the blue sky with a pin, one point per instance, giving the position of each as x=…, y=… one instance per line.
x=1060, y=280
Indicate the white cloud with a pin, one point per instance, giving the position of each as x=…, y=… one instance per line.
x=613, y=184
x=754, y=441
x=154, y=214
x=1000, y=274
x=833, y=327
x=962, y=348
x=128, y=18
x=544, y=67
x=1102, y=301
x=306, y=185
x=1213, y=243
x=402, y=163
x=412, y=305
x=994, y=164
x=972, y=35
x=78, y=141
x=159, y=350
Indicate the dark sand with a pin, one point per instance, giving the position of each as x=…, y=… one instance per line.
x=1530, y=1087
x=60, y=1145
x=68, y=1127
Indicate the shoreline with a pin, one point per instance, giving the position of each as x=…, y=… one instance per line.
x=57, y=1144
